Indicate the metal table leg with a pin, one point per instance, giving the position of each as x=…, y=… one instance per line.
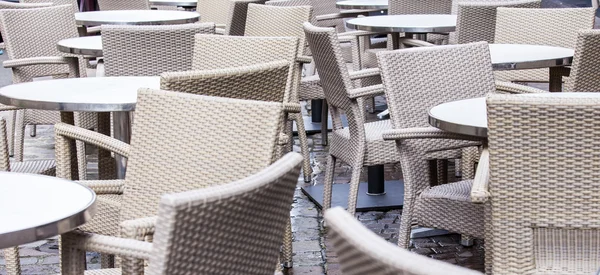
x=122, y=132
x=556, y=74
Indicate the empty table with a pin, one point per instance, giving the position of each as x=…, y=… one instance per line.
x=33, y=207
x=136, y=17
x=178, y=3
x=363, y=4
x=92, y=94
x=86, y=45
x=418, y=25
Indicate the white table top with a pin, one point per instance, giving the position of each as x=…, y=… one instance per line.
x=89, y=94
x=86, y=45
x=469, y=116
x=178, y=3
x=409, y=23
x=136, y=17
x=520, y=56
x=363, y=4
x=34, y=207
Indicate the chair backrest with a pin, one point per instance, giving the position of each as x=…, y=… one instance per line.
x=264, y=82
x=149, y=50
x=216, y=11
x=218, y=52
x=477, y=20
x=4, y=156
x=552, y=27
x=105, y=5
x=323, y=7
x=73, y=3
x=23, y=5
x=236, y=18
x=234, y=228
x=584, y=71
x=182, y=142
x=543, y=184
x=419, y=7
x=362, y=252
x=418, y=79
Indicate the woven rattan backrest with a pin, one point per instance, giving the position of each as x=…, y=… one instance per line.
x=149, y=50
x=105, y=5
x=236, y=18
x=264, y=82
x=295, y=3
x=477, y=20
x=4, y=156
x=75, y=5
x=419, y=6
x=215, y=11
x=360, y=251
x=25, y=5
x=323, y=7
x=418, y=79
x=544, y=183
x=35, y=32
x=586, y=63
x=553, y=27
x=235, y=228
x=183, y=141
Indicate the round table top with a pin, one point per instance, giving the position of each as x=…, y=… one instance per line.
x=86, y=45
x=363, y=4
x=178, y=3
x=469, y=116
x=33, y=207
x=88, y=94
x=136, y=17
x=522, y=56
x=409, y=23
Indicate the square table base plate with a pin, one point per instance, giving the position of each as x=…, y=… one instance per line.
x=393, y=198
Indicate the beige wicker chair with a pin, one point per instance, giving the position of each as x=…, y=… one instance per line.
x=73, y=3
x=215, y=11
x=553, y=27
x=236, y=18
x=236, y=228
x=362, y=252
x=105, y=5
x=554, y=220
x=584, y=71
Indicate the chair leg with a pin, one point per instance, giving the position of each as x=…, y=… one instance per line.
x=11, y=258
x=19, y=135
x=107, y=261
x=33, y=131
x=466, y=240
x=306, y=167
x=287, y=246
x=324, y=123
x=328, y=182
x=405, y=223
x=10, y=128
x=353, y=194
x=81, y=160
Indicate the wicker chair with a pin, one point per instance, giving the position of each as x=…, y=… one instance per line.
x=362, y=252
x=553, y=221
x=73, y=3
x=106, y=5
x=259, y=203
x=236, y=18
x=43, y=167
x=215, y=11
x=584, y=71
x=219, y=155
x=553, y=27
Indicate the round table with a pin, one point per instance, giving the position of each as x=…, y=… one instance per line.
x=418, y=25
x=363, y=5
x=86, y=45
x=32, y=207
x=136, y=17
x=91, y=94
x=178, y=3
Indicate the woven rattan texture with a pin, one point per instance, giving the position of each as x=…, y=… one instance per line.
x=105, y=5
x=419, y=6
x=236, y=18
x=586, y=63
x=216, y=11
x=553, y=27
x=360, y=251
x=543, y=184
x=149, y=50
x=73, y=3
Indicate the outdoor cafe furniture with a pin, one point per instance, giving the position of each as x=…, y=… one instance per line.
x=584, y=71
x=135, y=17
x=86, y=45
x=541, y=27
x=187, y=4
x=360, y=251
x=199, y=232
x=363, y=4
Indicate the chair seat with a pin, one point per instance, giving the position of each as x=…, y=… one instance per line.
x=106, y=220
x=378, y=151
x=42, y=167
x=449, y=206
x=310, y=88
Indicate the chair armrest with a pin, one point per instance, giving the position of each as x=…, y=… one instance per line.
x=220, y=31
x=347, y=14
x=107, y=244
x=369, y=91
x=479, y=191
x=350, y=35
x=139, y=228
x=222, y=26
x=94, y=29
x=39, y=60
x=415, y=42
x=105, y=187
x=283, y=139
x=64, y=130
x=513, y=88
x=424, y=132
x=292, y=107
x=304, y=59
x=8, y=108
x=354, y=75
